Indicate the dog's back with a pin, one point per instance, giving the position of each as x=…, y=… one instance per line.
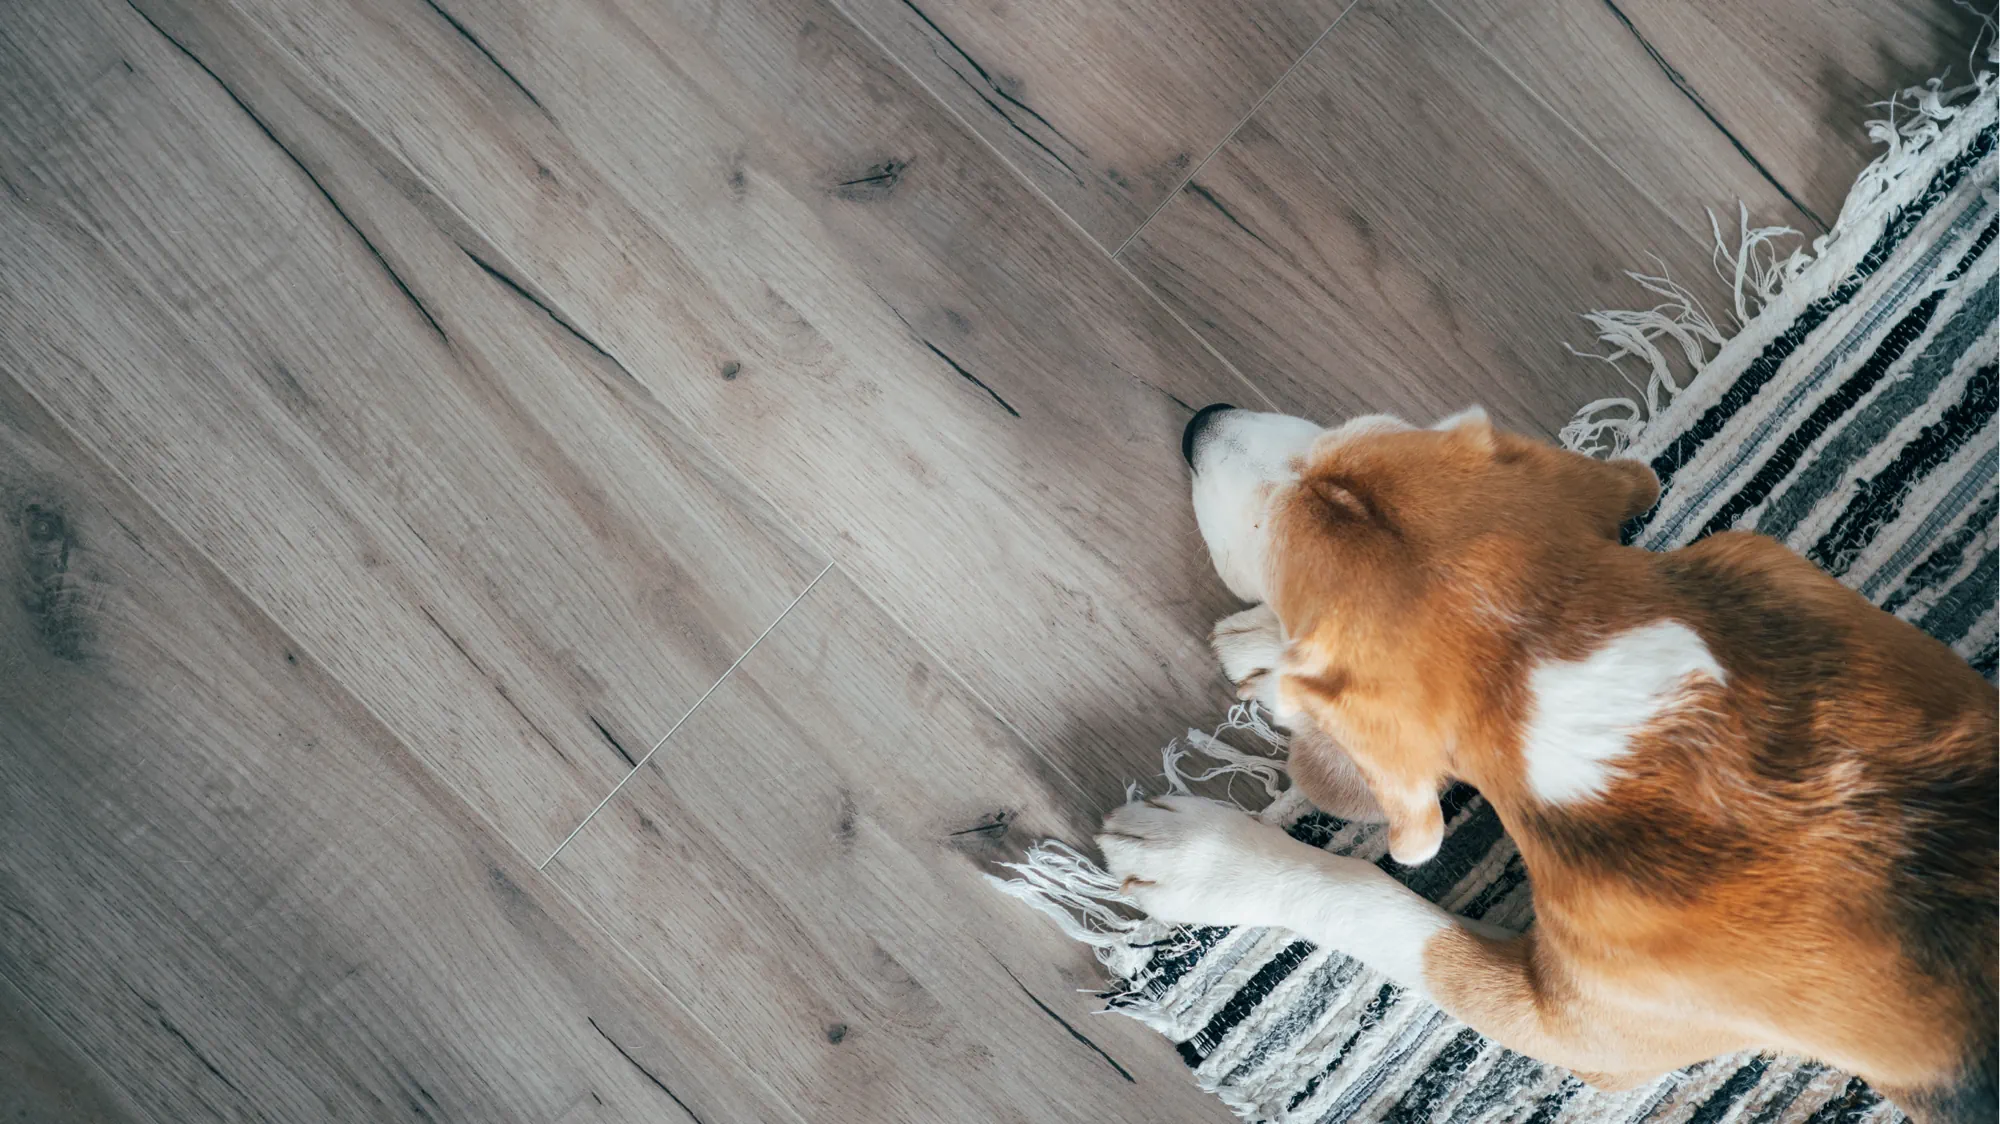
x=1813, y=834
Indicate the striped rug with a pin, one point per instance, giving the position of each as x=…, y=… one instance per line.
x=1852, y=416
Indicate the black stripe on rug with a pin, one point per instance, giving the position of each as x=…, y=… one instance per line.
x=1317, y=994
x=1782, y=1097
x=1364, y=1088
x=1371, y=1017
x=1730, y=1091
x=1760, y=371
x=1937, y=360
x=1444, y=1073
x=1188, y=947
x=1457, y=797
x=1948, y=558
x=1195, y=1050
x=1956, y=612
x=1490, y=895
x=1938, y=517
x=1889, y=349
x=1866, y=429
x=1547, y=1108
x=1880, y=499
x=1502, y=1084
x=1848, y=1106
x=1315, y=829
x=1463, y=849
x=1829, y=410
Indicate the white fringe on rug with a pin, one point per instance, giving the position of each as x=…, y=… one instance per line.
x=1084, y=900
x=1760, y=279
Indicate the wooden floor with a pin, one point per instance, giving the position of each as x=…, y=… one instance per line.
x=548, y=543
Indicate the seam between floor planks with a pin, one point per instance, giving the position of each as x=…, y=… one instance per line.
x=953, y=671
x=699, y=439
x=1483, y=49
x=576, y=914
x=1577, y=131
x=1680, y=222
x=1048, y=201
x=695, y=435
x=1262, y=98
x=682, y=720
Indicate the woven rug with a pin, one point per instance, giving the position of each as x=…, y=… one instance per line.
x=1851, y=416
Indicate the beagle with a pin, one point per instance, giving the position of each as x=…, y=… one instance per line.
x=1757, y=812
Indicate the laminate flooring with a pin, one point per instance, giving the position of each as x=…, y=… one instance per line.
x=551, y=544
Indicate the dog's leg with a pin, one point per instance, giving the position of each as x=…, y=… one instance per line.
x=1196, y=861
x=1329, y=777
x=1250, y=646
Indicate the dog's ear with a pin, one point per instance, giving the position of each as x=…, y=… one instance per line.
x=1338, y=501
x=1416, y=819
x=1641, y=486
x=1403, y=787
x=1342, y=501
x=1472, y=426
x=1616, y=490
x=1471, y=415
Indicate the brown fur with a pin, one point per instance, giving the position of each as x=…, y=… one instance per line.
x=1802, y=860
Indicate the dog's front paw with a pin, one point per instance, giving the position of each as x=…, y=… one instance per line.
x=1250, y=645
x=1194, y=861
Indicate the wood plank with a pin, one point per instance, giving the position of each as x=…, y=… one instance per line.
x=229, y=882
x=1588, y=66
x=1796, y=81
x=931, y=374
x=1404, y=228
x=1106, y=107
x=45, y=1078
x=476, y=517
x=804, y=858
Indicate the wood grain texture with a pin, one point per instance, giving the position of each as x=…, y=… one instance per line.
x=946, y=389
x=1104, y=106
x=805, y=858
x=409, y=407
x=1403, y=228
x=1796, y=81
x=477, y=518
x=45, y=1078
x=230, y=883
x=1591, y=68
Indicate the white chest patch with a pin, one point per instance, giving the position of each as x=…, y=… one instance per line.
x=1585, y=712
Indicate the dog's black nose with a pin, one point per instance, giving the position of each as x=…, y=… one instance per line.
x=1201, y=418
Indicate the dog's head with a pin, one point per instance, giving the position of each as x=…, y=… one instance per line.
x=1397, y=558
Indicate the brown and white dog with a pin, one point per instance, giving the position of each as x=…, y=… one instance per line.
x=1756, y=811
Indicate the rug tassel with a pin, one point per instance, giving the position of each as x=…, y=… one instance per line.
x=1679, y=328
x=1087, y=902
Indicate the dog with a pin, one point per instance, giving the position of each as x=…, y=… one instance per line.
x=1756, y=811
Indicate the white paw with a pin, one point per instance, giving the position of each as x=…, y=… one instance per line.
x=1251, y=644
x=1194, y=861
